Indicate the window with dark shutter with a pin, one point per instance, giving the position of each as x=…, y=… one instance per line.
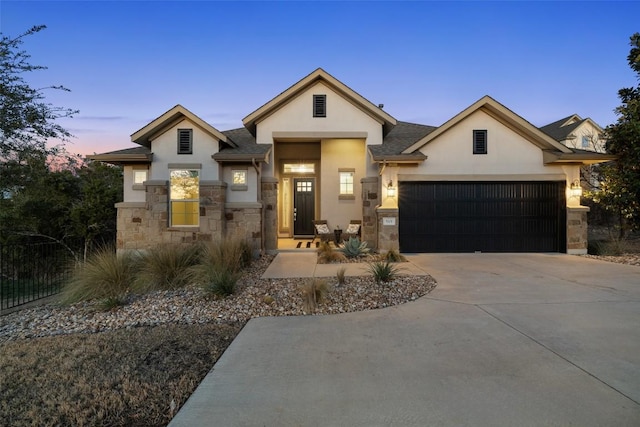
x=185, y=141
x=319, y=105
x=479, y=142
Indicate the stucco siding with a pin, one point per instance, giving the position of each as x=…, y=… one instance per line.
x=164, y=149
x=507, y=151
x=341, y=154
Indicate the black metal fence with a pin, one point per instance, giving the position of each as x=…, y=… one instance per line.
x=30, y=271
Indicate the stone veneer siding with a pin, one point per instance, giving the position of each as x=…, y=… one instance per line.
x=577, y=230
x=270, y=204
x=142, y=225
x=370, y=201
x=388, y=237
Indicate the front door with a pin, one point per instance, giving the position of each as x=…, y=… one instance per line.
x=303, y=206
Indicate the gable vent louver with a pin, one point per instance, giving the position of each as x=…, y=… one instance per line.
x=479, y=142
x=185, y=141
x=319, y=105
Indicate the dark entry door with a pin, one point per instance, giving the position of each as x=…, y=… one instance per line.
x=303, y=206
x=482, y=216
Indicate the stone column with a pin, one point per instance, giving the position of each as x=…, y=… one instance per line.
x=370, y=201
x=388, y=229
x=213, y=195
x=132, y=225
x=577, y=230
x=270, y=213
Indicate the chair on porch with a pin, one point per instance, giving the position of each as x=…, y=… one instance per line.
x=353, y=230
x=321, y=230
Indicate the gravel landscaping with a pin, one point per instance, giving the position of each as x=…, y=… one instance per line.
x=255, y=297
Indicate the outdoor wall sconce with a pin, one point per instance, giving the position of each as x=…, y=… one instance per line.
x=575, y=190
x=391, y=190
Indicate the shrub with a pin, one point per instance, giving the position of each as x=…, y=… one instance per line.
x=219, y=282
x=228, y=253
x=383, y=271
x=394, y=256
x=340, y=275
x=313, y=293
x=353, y=248
x=167, y=267
x=104, y=275
x=327, y=255
x=613, y=247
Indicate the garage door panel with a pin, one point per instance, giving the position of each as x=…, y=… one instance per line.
x=482, y=216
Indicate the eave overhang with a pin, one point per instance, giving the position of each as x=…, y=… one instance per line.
x=122, y=159
x=224, y=157
x=413, y=158
x=583, y=158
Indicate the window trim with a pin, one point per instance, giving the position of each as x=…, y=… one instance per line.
x=171, y=200
x=347, y=195
x=476, y=148
x=319, y=105
x=190, y=133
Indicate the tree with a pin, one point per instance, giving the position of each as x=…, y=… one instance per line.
x=27, y=121
x=620, y=189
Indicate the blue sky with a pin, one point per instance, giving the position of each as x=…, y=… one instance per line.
x=128, y=62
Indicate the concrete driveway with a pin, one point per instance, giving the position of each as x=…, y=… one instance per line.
x=504, y=340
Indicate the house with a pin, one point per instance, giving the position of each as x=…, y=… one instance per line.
x=576, y=132
x=486, y=180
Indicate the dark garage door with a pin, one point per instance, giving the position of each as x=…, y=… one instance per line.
x=482, y=216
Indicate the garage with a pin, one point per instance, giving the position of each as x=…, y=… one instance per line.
x=449, y=216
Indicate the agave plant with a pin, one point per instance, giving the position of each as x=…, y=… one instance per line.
x=353, y=248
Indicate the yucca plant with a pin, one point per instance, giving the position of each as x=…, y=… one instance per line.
x=104, y=275
x=327, y=255
x=383, y=271
x=354, y=248
x=167, y=267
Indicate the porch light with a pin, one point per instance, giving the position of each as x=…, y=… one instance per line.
x=575, y=190
x=391, y=190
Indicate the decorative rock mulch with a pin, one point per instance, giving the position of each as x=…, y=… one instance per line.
x=255, y=297
x=631, y=259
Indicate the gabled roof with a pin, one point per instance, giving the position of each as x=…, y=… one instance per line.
x=319, y=75
x=562, y=129
x=245, y=148
x=126, y=156
x=403, y=135
x=170, y=119
x=501, y=113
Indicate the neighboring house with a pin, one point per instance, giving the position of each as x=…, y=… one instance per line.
x=580, y=134
x=486, y=180
x=576, y=132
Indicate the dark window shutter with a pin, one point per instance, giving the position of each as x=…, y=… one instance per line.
x=319, y=105
x=185, y=141
x=479, y=142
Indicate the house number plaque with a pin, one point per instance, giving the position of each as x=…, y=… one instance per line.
x=388, y=221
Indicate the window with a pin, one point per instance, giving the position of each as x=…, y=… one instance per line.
x=479, y=142
x=185, y=141
x=585, y=142
x=346, y=183
x=239, y=180
x=139, y=176
x=185, y=197
x=319, y=105
x=303, y=168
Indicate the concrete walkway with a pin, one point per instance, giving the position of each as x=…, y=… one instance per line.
x=504, y=340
